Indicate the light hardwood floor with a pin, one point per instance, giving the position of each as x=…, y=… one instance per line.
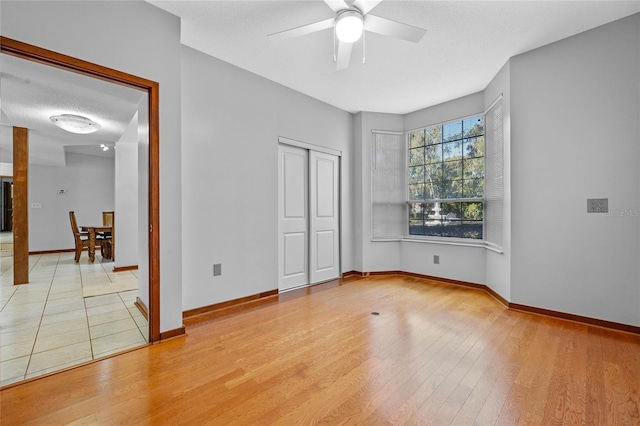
x=436, y=354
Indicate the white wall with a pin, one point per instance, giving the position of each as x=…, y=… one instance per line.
x=140, y=39
x=575, y=135
x=231, y=123
x=126, y=197
x=498, y=266
x=88, y=182
x=6, y=169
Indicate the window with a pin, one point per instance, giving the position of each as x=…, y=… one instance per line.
x=494, y=191
x=388, y=201
x=446, y=179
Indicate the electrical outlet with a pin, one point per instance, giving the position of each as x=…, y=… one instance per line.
x=217, y=269
x=597, y=205
x=436, y=259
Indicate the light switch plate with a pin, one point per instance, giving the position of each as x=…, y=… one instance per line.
x=597, y=205
x=217, y=269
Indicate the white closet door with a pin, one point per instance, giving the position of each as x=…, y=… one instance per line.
x=324, y=222
x=293, y=202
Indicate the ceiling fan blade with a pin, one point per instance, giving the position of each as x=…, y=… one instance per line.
x=337, y=5
x=387, y=27
x=305, y=29
x=344, y=55
x=365, y=6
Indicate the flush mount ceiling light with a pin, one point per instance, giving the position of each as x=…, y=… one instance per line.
x=349, y=26
x=75, y=123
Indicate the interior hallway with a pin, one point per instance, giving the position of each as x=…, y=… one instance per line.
x=56, y=321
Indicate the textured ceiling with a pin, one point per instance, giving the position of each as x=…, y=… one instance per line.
x=466, y=44
x=32, y=92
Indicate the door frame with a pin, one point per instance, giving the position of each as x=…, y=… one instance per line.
x=37, y=54
x=311, y=147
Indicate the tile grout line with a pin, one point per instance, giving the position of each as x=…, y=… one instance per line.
x=35, y=339
x=86, y=312
x=146, y=339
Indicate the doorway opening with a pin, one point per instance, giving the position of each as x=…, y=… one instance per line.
x=149, y=260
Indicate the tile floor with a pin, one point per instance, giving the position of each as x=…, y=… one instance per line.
x=48, y=325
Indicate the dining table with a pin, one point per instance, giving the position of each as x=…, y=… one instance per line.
x=92, y=230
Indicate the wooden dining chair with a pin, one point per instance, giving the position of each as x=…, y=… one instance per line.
x=109, y=242
x=107, y=218
x=81, y=238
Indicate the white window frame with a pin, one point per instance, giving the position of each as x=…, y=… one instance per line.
x=433, y=238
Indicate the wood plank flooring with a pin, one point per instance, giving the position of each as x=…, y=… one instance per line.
x=436, y=354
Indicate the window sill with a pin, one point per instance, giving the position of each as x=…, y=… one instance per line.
x=479, y=244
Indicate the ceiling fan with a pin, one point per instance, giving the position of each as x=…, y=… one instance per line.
x=350, y=24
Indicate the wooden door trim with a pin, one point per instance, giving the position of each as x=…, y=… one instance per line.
x=58, y=60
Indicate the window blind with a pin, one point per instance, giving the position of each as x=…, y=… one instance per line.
x=388, y=204
x=494, y=175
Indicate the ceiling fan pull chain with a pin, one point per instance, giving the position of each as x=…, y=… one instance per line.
x=364, y=45
x=335, y=59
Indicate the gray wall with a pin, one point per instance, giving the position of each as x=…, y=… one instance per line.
x=88, y=182
x=231, y=123
x=376, y=255
x=140, y=39
x=575, y=135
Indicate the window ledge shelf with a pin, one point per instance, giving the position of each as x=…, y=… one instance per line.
x=482, y=244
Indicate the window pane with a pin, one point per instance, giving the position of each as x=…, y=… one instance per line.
x=452, y=170
x=452, y=150
x=433, y=135
x=416, y=211
x=416, y=157
x=416, y=175
x=473, y=188
x=433, y=189
x=416, y=192
x=472, y=211
x=473, y=168
x=473, y=126
x=474, y=147
x=471, y=230
x=451, y=189
x=452, y=131
x=433, y=172
x=433, y=153
x=416, y=139
x=451, y=212
x=416, y=227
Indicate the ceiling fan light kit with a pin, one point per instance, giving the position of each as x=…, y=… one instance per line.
x=350, y=24
x=75, y=123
